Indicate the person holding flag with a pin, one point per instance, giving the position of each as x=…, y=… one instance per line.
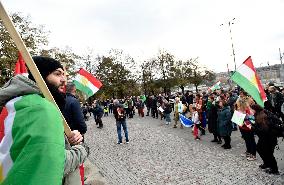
x=31, y=131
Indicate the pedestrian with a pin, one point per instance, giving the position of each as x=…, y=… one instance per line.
x=167, y=112
x=177, y=110
x=196, y=122
x=98, y=114
x=119, y=114
x=267, y=140
x=106, y=111
x=72, y=110
x=140, y=106
x=212, y=119
x=39, y=132
x=224, y=125
x=246, y=129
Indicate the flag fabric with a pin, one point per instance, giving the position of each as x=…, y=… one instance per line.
x=32, y=147
x=186, y=122
x=20, y=67
x=143, y=98
x=87, y=83
x=246, y=77
x=215, y=86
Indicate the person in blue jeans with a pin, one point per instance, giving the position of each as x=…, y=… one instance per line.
x=119, y=114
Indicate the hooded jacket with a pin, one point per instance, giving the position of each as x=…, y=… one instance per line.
x=50, y=133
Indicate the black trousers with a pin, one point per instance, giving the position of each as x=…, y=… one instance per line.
x=99, y=121
x=250, y=142
x=227, y=140
x=265, y=148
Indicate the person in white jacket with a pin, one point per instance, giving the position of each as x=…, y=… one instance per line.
x=197, y=123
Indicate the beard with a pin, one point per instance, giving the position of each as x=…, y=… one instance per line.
x=58, y=96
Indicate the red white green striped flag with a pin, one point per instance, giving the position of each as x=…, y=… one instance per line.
x=32, y=148
x=87, y=83
x=246, y=77
x=215, y=86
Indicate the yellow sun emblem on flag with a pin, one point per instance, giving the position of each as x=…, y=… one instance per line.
x=84, y=81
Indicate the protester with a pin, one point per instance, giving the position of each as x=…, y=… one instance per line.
x=224, y=125
x=246, y=128
x=177, y=110
x=276, y=100
x=37, y=130
x=72, y=110
x=140, y=106
x=197, y=123
x=106, y=111
x=119, y=114
x=212, y=119
x=167, y=112
x=267, y=140
x=98, y=114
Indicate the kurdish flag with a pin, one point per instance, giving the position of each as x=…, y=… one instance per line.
x=246, y=77
x=215, y=86
x=32, y=149
x=87, y=83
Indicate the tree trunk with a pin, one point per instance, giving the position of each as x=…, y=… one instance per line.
x=182, y=89
x=196, y=89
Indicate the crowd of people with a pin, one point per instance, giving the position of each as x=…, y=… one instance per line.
x=213, y=111
x=37, y=131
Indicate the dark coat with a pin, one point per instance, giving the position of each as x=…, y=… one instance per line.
x=212, y=118
x=116, y=115
x=224, y=124
x=74, y=115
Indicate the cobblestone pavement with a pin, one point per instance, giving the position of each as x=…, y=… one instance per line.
x=160, y=154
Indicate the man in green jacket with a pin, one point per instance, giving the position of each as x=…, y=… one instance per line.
x=31, y=131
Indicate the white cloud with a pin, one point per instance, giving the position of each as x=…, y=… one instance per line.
x=185, y=28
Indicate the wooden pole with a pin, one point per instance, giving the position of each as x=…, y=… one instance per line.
x=29, y=61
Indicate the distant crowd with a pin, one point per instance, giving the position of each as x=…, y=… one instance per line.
x=211, y=111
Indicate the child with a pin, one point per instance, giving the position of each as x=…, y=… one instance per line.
x=106, y=111
x=195, y=119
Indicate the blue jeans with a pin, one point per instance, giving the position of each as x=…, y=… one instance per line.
x=168, y=117
x=118, y=129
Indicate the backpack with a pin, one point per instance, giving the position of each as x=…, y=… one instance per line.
x=275, y=124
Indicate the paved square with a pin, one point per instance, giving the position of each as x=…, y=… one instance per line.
x=160, y=154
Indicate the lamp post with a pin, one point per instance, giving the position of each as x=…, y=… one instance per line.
x=231, y=37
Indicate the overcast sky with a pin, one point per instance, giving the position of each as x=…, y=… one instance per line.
x=185, y=28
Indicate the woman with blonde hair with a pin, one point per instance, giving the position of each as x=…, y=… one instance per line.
x=243, y=106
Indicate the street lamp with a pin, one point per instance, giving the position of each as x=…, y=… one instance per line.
x=230, y=29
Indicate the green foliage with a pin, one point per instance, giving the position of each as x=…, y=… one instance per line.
x=34, y=37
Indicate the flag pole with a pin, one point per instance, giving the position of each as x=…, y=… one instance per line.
x=29, y=61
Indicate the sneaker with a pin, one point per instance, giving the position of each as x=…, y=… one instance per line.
x=197, y=138
x=119, y=143
x=127, y=142
x=251, y=158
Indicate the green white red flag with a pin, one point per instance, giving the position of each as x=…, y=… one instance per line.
x=246, y=77
x=31, y=145
x=87, y=83
x=215, y=86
